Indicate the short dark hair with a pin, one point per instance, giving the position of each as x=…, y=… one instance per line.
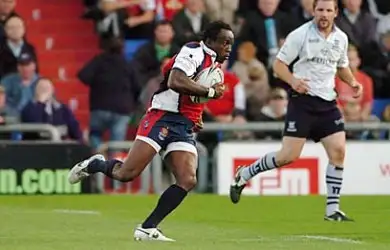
x=162, y=22
x=114, y=45
x=336, y=3
x=213, y=29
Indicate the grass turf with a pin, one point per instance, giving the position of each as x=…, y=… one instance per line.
x=202, y=222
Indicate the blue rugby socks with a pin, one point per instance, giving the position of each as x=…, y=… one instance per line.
x=104, y=167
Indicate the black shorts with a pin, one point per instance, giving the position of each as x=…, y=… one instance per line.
x=312, y=117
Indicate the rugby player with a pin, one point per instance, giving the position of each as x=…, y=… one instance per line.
x=321, y=49
x=168, y=127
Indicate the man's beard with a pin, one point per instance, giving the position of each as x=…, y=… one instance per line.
x=323, y=24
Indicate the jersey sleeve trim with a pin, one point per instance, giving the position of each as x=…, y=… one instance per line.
x=189, y=59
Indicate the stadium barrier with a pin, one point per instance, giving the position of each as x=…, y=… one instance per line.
x=278, y=126
x=29, y=168
x=41, y=168
x=143, y=185
x=151, y=178
x=53, y=132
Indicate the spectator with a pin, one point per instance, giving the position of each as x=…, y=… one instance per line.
x=264, y=27
x=257, y=91
x=20, y=86
x=13, y=46
x=140, y=20
x=274, y=111
x=231, y=106
x=46, y=109
x=304, y=11
x=113, y=93
x=248, y=67
x=166, y=9
x=148, y=58
x=244, y=7
x=8, y=115
x=345, y=92
x=383, y=24
x=253, y=74
x=288, y=5
x=385, y=117
x=189, y=22
x=7, y=10
x=352, y=113
x=378, y=8
x=222, y=10
x=90, y=3
x=376, y=63
x=109, y=17
x=358, y=24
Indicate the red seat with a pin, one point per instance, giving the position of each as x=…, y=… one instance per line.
x=73, y=93
x=66, y=56
x=75, y=102
x=59, y=26
x=63, y=42
x=73, y=87
x=34, y=3
x=83, y=118
x=34, y=11
x=60, y=71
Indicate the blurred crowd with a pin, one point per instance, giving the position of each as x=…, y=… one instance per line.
x=122, y=85
x=25, y=95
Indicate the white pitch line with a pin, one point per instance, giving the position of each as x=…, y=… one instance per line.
x=70, y=211
x=326, y=238
x=296, y=238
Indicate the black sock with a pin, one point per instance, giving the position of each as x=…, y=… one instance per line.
x=168, y=201
x=104, y=167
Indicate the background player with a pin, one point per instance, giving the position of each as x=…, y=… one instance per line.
x=312, y=112
x=169, y=126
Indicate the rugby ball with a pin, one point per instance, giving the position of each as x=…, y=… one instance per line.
x=208, y=78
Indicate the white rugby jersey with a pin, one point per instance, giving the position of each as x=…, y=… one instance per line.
x=319, y=57
x=192, y=59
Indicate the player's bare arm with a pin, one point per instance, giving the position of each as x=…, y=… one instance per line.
x=181, y=83
x=346, y=75
x=283, y=72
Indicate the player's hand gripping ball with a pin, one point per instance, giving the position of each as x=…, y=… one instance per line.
x=211, y=77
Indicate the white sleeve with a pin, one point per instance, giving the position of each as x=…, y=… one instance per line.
x=148, y=5
x=188, y=60
x=239, y=97
x=344, y=61
x=291, y=47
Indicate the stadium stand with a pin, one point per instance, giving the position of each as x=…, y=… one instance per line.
x=64, y=43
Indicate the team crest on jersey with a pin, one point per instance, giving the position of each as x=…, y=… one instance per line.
x=146, y=124
x=163, y=133
x=336, y=45
x=325, y=51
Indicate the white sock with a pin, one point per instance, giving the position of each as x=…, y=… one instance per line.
x=334, y=181
x=266, y=163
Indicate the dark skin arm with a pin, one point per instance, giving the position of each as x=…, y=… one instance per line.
x=181, y=83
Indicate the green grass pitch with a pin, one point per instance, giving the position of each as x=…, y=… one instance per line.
x=202, y=222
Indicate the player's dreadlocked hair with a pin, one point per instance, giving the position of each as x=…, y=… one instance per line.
x=212, y=30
